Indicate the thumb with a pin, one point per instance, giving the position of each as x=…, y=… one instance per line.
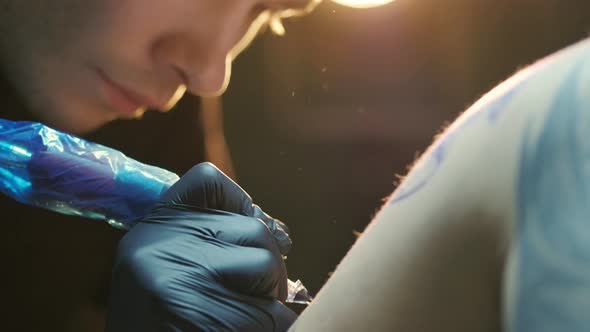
x=282, y=316
x=205, y=186
x=253, y=271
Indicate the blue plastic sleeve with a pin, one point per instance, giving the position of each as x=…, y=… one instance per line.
x=43, y=167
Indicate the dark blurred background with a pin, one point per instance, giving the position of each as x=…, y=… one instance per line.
x=316, y=125
x=319, y=121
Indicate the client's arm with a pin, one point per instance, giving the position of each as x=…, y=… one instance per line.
x=435, y=257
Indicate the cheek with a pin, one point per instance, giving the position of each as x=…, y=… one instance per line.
x=71, y=111
x=122, y=27
x=131, y=26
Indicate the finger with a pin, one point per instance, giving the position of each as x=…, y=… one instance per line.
x=233, y=231
x=253, y=271
x=226, y=226
x=282, y=316
x=250, y=232
x=208, y=307
x=226, y=311
x=278, y=229
x=263, y=315
x=206, y=186
x=244, y=231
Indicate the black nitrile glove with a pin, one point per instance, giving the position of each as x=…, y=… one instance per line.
x=202, y=260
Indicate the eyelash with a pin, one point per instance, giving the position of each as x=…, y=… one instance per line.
x=275, y=24
x=275, y=16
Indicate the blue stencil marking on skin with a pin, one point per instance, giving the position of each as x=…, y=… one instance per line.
x=553, y=229
x=433, y=162
x=498, y=107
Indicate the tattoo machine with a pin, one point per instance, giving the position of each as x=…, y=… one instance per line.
x=46, y=168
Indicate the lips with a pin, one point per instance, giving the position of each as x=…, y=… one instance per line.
x=122, y=99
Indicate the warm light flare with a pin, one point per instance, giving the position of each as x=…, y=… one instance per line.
x=362, y=3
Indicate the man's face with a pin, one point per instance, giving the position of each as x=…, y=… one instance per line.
x=79, y=64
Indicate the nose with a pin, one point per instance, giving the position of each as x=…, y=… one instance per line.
x=204, y=69
x=213, y=77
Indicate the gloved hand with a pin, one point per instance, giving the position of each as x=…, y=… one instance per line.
x=202, y=260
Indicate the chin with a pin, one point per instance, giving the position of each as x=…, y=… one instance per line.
x=78, y=124
x=78, y=128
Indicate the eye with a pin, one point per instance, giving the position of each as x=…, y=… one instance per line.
x=267, y=17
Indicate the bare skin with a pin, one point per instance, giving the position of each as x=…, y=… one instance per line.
x=487, y=232
x=442, y=255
